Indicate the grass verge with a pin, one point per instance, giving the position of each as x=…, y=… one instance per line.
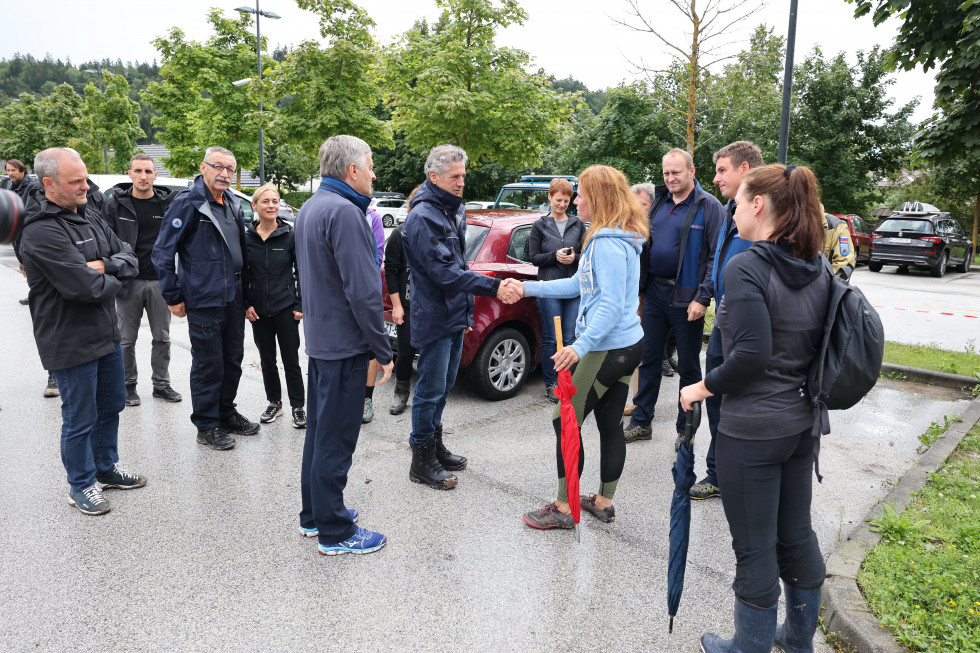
x=930, y=357
x=922, y=581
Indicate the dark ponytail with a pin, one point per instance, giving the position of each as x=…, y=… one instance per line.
x=795, y=197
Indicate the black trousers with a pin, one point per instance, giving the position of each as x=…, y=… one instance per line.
x=335, y=408
x=406, y=352
x=265, y=331
x=217, y=337
x=768, y=486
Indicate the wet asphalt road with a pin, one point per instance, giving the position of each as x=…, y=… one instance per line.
x=207, y=556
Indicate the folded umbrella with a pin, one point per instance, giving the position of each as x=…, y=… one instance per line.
x=570, y=441
x=680, y=513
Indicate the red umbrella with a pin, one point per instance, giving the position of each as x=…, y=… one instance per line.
x=569, y=434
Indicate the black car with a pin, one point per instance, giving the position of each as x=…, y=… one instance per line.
x=920, y=235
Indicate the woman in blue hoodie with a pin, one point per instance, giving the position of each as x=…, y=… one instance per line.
x=608, y=336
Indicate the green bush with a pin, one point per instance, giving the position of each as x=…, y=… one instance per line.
x=296, y=198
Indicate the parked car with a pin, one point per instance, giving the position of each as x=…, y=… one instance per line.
x=505, y=343
x=860, y=235
x=479, y=205
x=529, y=195
x=392, y=210
x=920, y=235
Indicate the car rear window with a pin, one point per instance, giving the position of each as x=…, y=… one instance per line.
x=905, y=224
x=475, y=235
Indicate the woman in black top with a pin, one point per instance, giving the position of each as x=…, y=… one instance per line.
x=771, y=321
x=554, y=245
x=276, y=307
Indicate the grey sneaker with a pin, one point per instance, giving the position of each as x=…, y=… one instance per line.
x=368, y=410
x=299, y=418
x=636, y=432
x=272, y=412
x=704, y=490
x=548, y=517
x=120, y=479
x=605, y=515
x=90, y=500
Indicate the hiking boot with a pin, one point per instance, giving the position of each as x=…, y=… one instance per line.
x=550, y=393
x=167, y=394
x=363, y=541
x=548, y=517
x=236, y=424
x=299, y=418
x=402, y=389
x=313, y=532
x=604, y=515
x=427, y=469
x=704, y=490
x=636, y=432
x=90, y=500
x=216, y=439
x=132, y=399
x=272, y=412
x=448, y=460
x=52, y=388
x=120, y=479
x=666, y=369
x=368, y=410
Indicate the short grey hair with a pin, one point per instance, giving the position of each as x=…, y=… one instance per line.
x=644, y=187
x=219, y=150
x=338, y=152
x=684, y=154
x=441, y=157
x=47, y=163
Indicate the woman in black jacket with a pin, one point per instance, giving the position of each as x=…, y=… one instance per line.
x=771, y=321
x=276, y=307
x=554, y=245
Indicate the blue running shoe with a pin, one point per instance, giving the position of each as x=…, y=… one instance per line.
x=364, y=541
x=313, y=532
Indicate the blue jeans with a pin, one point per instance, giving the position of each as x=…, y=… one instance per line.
x=92, y=396
x=658, y=319
x=567, y=310
x=438, y=364
x=712, y=405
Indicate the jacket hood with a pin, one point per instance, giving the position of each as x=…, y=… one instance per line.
x=795, y=273
x=429, y=192
x=46, y=209
x=632, y=238
x=126, y=190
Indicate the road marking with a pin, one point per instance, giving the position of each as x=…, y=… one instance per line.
x=919, y=310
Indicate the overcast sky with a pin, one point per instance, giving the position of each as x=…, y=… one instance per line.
x=565, y=37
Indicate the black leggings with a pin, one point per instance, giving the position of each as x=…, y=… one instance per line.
x=265, y=331
x=406, y=353
x=603, y=382
x=768, y=487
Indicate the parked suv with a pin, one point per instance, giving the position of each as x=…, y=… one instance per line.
x=920, y=235
x=392, y=210
x=531, y=194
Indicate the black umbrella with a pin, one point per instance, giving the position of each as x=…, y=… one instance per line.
x=680, y=513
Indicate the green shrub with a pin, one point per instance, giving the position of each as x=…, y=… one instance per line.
x=296, y=198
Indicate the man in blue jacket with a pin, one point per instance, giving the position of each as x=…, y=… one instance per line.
x=675, y=283
x=205, y=227
x=343, y=318
x=442, y=289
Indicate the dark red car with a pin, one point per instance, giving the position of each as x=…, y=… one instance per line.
x=860, y=235
x=505, y=343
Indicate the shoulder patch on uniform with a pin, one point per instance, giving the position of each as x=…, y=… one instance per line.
x=177, y=223
x=845, y=246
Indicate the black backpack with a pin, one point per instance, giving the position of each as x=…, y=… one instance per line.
x=849, y=359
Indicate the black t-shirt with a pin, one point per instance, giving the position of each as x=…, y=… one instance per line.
x=149, y=217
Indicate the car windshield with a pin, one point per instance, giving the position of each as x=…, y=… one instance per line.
x=905, y=224
x=525, y=198
x=475, y=235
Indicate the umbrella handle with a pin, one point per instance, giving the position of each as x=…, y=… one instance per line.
x=692, y=422
x=558, y=332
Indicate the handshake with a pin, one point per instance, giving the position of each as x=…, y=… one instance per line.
x=510, y=291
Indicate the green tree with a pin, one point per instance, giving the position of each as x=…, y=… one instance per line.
x=21, y=129
x=287, y=166
x=452, y=84
x=110, y=118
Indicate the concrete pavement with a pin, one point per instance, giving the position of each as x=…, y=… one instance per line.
x=207, y=557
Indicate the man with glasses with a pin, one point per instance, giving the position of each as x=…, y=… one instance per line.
x=205, y=228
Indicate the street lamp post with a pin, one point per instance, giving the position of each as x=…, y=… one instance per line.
x=787, y=85
x=105, y=150
x=258, y=57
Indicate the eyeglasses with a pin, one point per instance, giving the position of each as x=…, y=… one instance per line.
x=229, y=169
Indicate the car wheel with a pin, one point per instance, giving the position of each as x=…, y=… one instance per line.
x=940, y=268
x=502, y=364
x=875, y=266
x=388, y=221
x=965, y=265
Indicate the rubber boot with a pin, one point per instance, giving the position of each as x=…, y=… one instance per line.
x=447, y=459
x=426, y=468
x=795, y=635
x=755, y=629
x=401, y=397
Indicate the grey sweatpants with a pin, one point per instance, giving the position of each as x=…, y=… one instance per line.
x=145, y=295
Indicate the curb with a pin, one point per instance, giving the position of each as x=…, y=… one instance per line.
x=845, y=612
x=916, y=375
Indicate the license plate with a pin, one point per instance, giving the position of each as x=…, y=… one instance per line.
x=901, y=241
x=392, y=329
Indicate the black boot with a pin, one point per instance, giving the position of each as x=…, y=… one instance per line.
x=426, y=468
x=755, y=630
x=448, y=461
x=401, y=397
x=795, y=635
